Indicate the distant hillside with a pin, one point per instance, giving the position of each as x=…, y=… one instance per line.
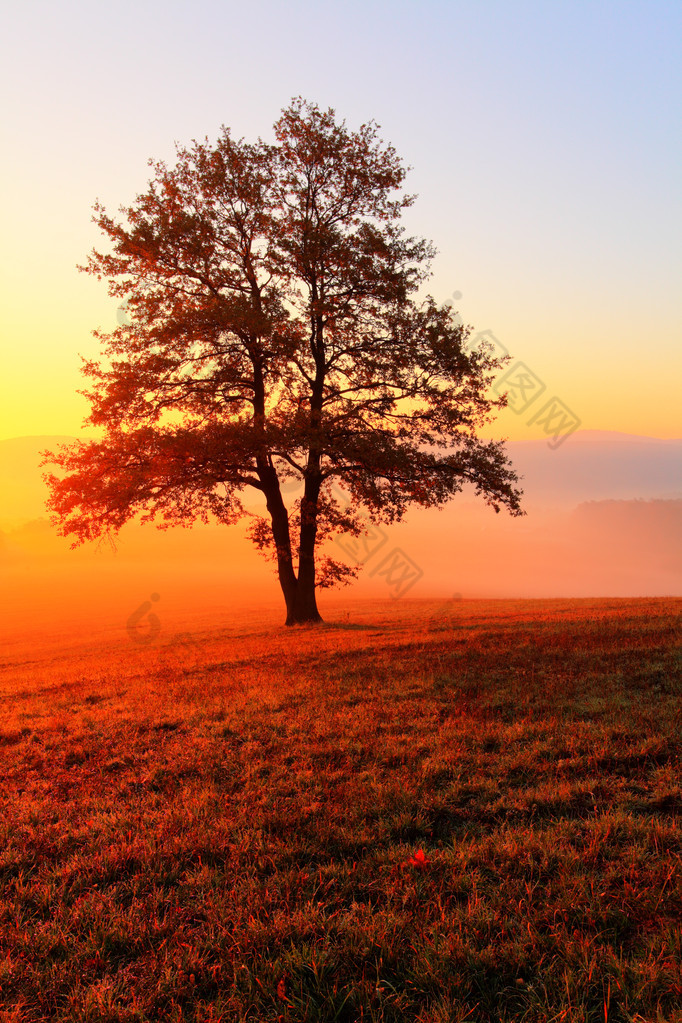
x=604, y=517
x=595, y=465
x=591, y=465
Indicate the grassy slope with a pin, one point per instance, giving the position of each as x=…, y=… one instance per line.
x=226, y=826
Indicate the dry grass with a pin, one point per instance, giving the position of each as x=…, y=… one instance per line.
x=228, y=826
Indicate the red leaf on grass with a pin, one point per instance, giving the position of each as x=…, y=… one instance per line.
x=282, y=990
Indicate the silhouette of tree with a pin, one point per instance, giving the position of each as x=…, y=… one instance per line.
x=274, y=337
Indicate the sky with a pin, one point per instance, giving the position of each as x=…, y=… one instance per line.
x=543, y=139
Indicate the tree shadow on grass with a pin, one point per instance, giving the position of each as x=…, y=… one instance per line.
x=350, y=626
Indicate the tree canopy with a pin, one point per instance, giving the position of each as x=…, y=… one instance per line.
x=275, y=336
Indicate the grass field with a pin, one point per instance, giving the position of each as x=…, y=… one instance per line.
x=419, y=811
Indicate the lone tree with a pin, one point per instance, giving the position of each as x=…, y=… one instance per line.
x=275, y=341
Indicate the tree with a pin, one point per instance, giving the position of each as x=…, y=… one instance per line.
x=275, y=336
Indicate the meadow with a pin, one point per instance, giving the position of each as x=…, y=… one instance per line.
x=430, y=811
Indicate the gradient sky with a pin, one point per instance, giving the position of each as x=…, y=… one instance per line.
x=544, y=136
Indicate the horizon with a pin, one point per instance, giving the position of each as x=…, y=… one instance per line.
x=556, y=239
x=604, y=517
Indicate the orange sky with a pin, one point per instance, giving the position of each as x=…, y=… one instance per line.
x=603, y=376
x=545, y=158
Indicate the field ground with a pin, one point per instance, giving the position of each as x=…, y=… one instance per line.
x=427, y=811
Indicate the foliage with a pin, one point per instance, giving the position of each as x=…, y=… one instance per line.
x=276, y=338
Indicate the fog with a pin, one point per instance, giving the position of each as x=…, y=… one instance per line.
x=604, y=518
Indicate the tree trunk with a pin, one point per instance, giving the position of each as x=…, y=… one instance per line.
x=303, y=608
x=282, y=538
x=299, y=593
